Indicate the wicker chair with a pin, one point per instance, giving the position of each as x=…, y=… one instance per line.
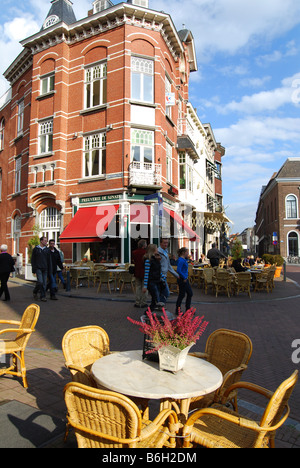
x=126, y=278
x=230, y=351
x=222, y=281
x=78, y=275
x=219, y=427
x=16, y=347
x=103, y=277
x=242, y=282
x=262, y=281
x=208, y=275
x=172, y=282
x=82, y=347
x=104, y=419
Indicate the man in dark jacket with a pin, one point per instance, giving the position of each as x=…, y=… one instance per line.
x=214, y=255
x=42, y=267
x=6, y=267
x=56, y=262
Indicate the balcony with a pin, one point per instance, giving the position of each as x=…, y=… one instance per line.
x=145, y=175
x=186, y=138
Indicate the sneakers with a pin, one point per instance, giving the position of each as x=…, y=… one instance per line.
x=43, y=299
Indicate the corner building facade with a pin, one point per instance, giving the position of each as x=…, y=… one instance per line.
x=91, y=136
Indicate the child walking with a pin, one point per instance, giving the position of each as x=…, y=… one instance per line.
x=183, y=281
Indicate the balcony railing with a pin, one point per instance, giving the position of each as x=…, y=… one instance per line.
x=144, y=174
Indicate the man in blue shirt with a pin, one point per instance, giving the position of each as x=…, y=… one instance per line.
x=183, y=281
x=165, y=267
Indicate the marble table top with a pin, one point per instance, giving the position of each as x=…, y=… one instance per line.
x=127, y=373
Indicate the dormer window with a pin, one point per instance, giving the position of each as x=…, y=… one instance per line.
x=53, y=19
x=100, y=5
x=142, y=3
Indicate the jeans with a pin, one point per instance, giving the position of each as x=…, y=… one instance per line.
x=184, y=289
x=41, y=285
x=164, y=292
x=4, y=277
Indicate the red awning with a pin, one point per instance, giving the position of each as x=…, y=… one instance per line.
x=192, y=235
x=89, y=224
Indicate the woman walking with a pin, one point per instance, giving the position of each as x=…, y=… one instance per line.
x=183, y=281
x=6, y=267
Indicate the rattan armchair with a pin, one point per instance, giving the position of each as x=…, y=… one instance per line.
x=219, y=427
x=208, y=275
x=230, y=351
x=222, y=281
x=82, y=347
x=104, y=419
x=16, y=347
x=242, y=282
x=126, y=278
x=103, y=277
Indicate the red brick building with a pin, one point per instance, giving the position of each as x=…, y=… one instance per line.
x=277, y=217
x=90, y=128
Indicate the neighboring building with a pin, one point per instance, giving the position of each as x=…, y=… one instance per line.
x=97, y=119
x=248, y=240
x=277, y=217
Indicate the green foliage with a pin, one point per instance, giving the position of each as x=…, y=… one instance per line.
x=237, y=250
x=33, y=241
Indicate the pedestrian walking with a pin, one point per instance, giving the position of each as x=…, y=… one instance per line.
x=165, y=268
x=41, y=266
x=55, y=262
x=6, y=268
x=153, y=279
x=214, y=255
x=139, y=270
x=183, y=280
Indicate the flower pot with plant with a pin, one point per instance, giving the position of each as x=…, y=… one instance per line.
x=172, y=338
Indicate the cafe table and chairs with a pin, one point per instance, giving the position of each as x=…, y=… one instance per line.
x=126, y=372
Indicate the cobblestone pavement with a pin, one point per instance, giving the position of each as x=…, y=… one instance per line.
x=270, y=320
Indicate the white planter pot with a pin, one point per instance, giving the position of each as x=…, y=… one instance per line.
x=172, y=359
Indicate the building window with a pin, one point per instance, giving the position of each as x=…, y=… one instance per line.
x=218, y=172
x=94, y=155
x=168, y=90
x=142, y=147
x=50, y=223
x=169, y=162
x=142, y=72
x=2, y=134
x=185, y=172
x=20, y=117
x=293, y=244
x=46, y=137
x=47, y=84
x=18, y=175
x=291, y=206
x=102, y=5
x=96, y=86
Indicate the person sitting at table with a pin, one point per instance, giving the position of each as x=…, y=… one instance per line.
x=153, y=278
x=183, y=280
x=237, y=265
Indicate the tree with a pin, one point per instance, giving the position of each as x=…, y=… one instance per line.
x=237, y=250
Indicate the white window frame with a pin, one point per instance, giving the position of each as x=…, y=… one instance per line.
x=20, y=126
x=144, y=140
x=186, y=162
x=95, y=76
x=169, y=162
x=168, y=89
x=18, y=172
x=2, y=126
x=46, y=136
x=47, y=84
x=142, y=73
x=93, y=144
x=289, y=208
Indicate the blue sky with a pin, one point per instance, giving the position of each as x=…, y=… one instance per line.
x=247, y=85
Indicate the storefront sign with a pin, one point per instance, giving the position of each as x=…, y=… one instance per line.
x=100, y=198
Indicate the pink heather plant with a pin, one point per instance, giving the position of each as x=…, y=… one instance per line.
x=185, y=330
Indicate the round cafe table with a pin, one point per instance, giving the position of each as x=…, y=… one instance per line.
x=127, y=373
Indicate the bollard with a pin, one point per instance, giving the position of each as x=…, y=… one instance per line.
x=284, y=271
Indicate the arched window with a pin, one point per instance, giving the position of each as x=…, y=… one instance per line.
x=293, y=244
x=50, y=223
x=291, y=206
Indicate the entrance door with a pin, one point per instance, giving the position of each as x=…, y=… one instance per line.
x=293, y=244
